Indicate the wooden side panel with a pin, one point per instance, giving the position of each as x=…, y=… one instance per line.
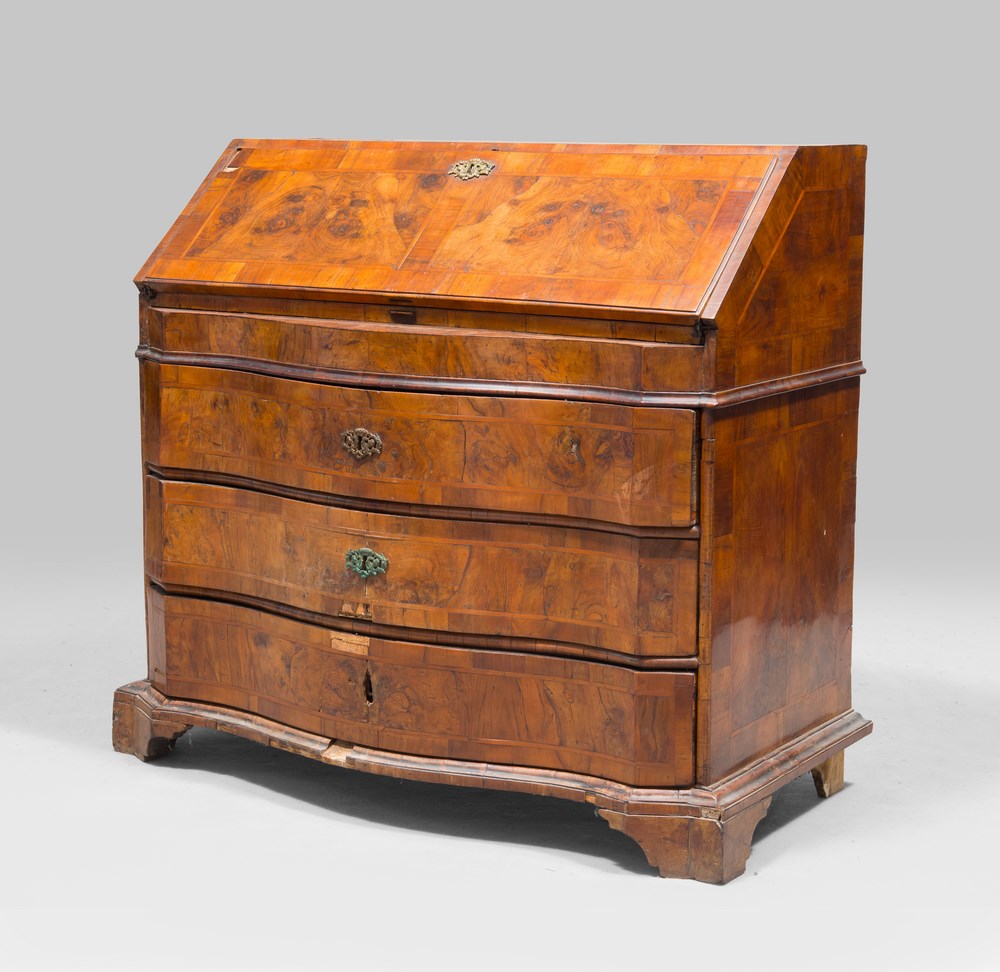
x=456, y=703
x=794, y=305
x=600, y=462
x=780, y=574
x=470, y=577
x=351, y=350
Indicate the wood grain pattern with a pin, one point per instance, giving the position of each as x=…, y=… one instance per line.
x=794, y=304
x=616, y=592
x=829, y=776
x=605, y=227
x=776, y=632
x=423, y=311
x=713, y=851
x=594, y=462
x=633, y=727
x=136, y=728
x=482, y=362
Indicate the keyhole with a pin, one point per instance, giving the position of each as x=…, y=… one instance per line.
x=369, y=698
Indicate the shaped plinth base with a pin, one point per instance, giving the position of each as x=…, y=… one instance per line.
x=702, y=833
x=136, y=726
x=702, y=848
x=710, y=848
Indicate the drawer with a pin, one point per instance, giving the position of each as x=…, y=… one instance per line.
x=623, y=465
x=603, y=720
x=519, y=361
x=586, y=587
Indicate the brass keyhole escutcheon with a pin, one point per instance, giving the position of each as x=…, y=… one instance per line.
x=361, y=443
x=366, y=562
x=471, y=169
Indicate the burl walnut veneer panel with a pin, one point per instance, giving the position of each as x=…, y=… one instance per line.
x=607, y=229
x=781, y=554
x=480, y=361
x=430, y=700
x=793, y=306
x=518, y=466
x=593, y=462
x=620, y=593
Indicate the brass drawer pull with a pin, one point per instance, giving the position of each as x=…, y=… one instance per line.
x=365, y=562
x=361, y=443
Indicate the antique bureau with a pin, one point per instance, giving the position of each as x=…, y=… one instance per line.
x=516, y=466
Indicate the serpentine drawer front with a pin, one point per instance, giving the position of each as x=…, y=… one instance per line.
x=630, y=466
x=518, y=466
x=496, y=706
x=586, y=587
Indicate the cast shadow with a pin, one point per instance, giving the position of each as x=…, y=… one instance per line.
x=432, y=808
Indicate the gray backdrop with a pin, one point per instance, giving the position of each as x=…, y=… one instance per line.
x=113, y=115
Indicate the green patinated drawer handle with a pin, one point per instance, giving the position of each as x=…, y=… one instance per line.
x=365, y=562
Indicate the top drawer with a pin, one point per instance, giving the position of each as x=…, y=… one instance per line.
x=542, y=458
x=526, y=357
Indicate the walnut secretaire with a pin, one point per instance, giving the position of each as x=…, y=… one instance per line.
x=518, y=466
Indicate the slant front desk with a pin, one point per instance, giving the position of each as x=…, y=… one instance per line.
x=516, y=466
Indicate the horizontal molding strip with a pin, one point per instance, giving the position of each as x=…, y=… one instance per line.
x=780, y=386
x=503, y=389
x=750, y=785
x=391, y=508
x=446, y=639
x=492, y=305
